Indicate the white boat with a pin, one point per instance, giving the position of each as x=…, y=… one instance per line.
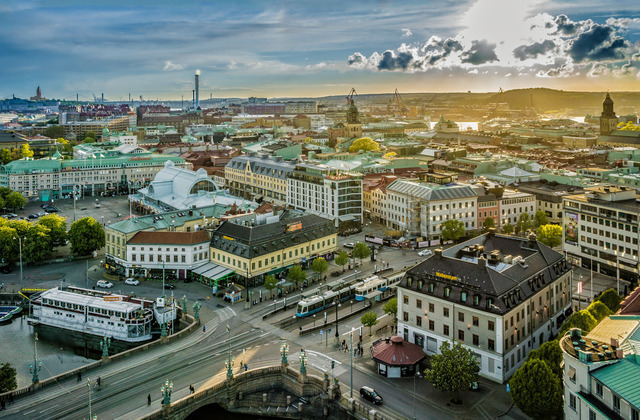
x=93, y=312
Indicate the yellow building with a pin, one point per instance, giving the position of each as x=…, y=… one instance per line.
x=253, y=176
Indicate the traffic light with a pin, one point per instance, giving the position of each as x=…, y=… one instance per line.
x=333, y=364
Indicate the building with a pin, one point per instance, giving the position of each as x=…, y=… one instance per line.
x=608, y=118
x=173, y=252
x=374, y=194
x=301, y=107
x=514, y=203
x=256, y=245
x=420, y=208
x=327, y=192
x=600, y=230
x=351, y=128
x=488, y=208
x=397, y=358
x=256, y=177
x=549, y=197
x=499, y=296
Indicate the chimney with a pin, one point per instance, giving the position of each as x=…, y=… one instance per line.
x=492, y=232
x=197, y=102
x=482, y=262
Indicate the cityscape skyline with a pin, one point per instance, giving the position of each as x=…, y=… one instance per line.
x=272, y=49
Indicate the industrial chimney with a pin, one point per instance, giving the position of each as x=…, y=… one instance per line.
x=197, y=104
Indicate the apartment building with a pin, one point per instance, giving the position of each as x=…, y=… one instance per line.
x=252, y=177
x=326, y=192
x=499, y=296
x=374, y=197
x=601, y=230
x=514, y=203
x=549, y=197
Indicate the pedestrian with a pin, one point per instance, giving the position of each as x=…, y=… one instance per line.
x=355, y=352
x=79, y=376
x=191, y=389
x=149, y=399
x=346, y=348
x=362, y=351
x=204, y=328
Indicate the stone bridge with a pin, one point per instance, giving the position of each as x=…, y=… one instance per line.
x=275, y=391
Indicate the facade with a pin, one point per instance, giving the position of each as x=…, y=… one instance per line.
x=608, y=118
x=253, y=176
x=301, y=107
x=488, y=207
x=420, y=208
x=256, y=245
x=513, y=203
x=374, y=198
x=549, y=197
x=327, y=192
x=500, y=296
x=175, y=252
x=600, y=230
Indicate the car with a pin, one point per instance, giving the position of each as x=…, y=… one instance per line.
x=51, y=209
x=105, y=284
x=349, y=245
x=425, y=253
x=131, y=281
x=10, y=215
x=33, y=216
x=170, y=286
x=369, y=394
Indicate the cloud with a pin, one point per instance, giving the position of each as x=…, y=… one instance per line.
x=524, y=52
x=598, y=43
x=480, y=52
x=395, y=61
x=171, y=66
x=406, y=32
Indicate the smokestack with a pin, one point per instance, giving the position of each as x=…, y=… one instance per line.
x=197, y=104
x=102, y=98
x=193, y=98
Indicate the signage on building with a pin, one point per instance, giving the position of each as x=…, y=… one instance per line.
x=227, y=238
x=447, y=276
x=111, y=298
x=294, y=226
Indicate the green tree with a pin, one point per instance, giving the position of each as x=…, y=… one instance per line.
x=319, y=266
x=454, y=369
x=536, y=390
x=1, y=203
x=524, y=223
x=488, y=224
x=4, y=192
x=90, y=134
x=8, y=381
x=86, y=235
x=365, y=144
x=508, y=229
x=57, y=226
x=610, y=298
x=54, y=132
x=551, y=353
x=540, y=219
x=361, y=250
x=599, y=310
x=550, y=235
x=369, y=320
x=37, y=246
x=26, y=151
x=88, y=139
x=342, y=259
x=581, y=319
x=452, y=230
x=391, y=307
x=5, y=156
x=9, y=247
x=20, y=226
x=296, y=274
x=270, y=283
x=15, y=200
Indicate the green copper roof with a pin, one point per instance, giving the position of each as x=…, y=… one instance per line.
x=126, y=160
x=622, y=378
x=28, y=165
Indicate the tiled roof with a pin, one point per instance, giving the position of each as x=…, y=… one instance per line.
x=169, y=238
x=431, y=192
x=165, y=220
x=397, y=352
x=622, y=379
x=263, y=166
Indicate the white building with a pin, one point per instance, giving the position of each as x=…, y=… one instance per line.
x=326, y=192
x=513, y=203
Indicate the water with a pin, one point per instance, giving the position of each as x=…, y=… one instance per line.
x=16, y=347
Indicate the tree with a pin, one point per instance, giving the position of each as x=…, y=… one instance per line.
x=1, y=203
x=88, y=139
x=452, y=230
x=598, y=310
x=9, y=247
x=361, y=250
x=389, y=155
x=37, y=246
x=270, y=283
x=454, y=369
x=57, y=226
x=15, y=200
x=20, y=226
x=524, y=223
x=296, y=274
x=540, y=219
x=5, y=156
x=508, y=229
x=581, y=319
x=342, y=259
x=319, y=266
x=550, y=235
x=536, y=390
x=365, y=144
x=25, y=151
x=8, y=381
x=551, y=353
x=4, y=192
x=90, y=134
x=54, y=132
x=610, y=298
x=86, y=235
x=391, y=307
x=488, y=223
x=369, y=320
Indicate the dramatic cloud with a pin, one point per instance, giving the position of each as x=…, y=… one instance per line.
x=480, y=52
x=598, y=43
x=395, y=61
x=524, y=52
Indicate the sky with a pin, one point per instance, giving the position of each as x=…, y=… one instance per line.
x=311, y=48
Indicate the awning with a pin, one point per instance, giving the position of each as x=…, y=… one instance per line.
x=346, y=217
x=373, y=294
x=212, y=271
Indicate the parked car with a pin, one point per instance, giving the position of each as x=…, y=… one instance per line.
x=425, y=253
x=33, y=216
x=51, y=209
x=369, y=394
x=104, y=283
x=131, y=281
x=169, y=286
x=10, y=216
x=349, y=245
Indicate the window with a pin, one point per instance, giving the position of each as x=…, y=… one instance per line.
x=445, y=312
x=571, y=373
x=405, y=316
x=447, y=292
x=572, y=401
x=491, y=325
x=598, y=389
x=431, y=308
x=432, y=325
x=418, y=303
x=405, y=299
x=476, y=340
x=616, y=404
x=491, y=345
x=592, y=415
x=476, y=321
x=419, y=321
x=461, y=316
x=445, y=329
x=635, y=415
x=461, y=335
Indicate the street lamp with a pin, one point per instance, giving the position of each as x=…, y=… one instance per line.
x=165, y=390
x=351, y=306
x=303, y=362
x=416, y=375
x=196, y=310
x=36, y=366
x=104, y=346
x=351, y=355
x=230, y=360
x=20, y=246
x=184, y=304
x=314, y=320
x=284, y=351
x=337, y=305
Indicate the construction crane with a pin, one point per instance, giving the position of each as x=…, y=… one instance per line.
x=350, y=96
x=396, y=103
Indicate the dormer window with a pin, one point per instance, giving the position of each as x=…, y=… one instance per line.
x=432, y=287
x=409, y=281
x=463, y=296
x=419, y=284
x=447, y=292
x=476, y=300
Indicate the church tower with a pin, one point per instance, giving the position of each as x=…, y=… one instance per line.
x=608, y=119
x=353, y=127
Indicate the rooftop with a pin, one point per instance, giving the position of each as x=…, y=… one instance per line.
x=169, y=238
x=586, y=350
x=395, y=351
x=165, y=220
x=431, y=192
